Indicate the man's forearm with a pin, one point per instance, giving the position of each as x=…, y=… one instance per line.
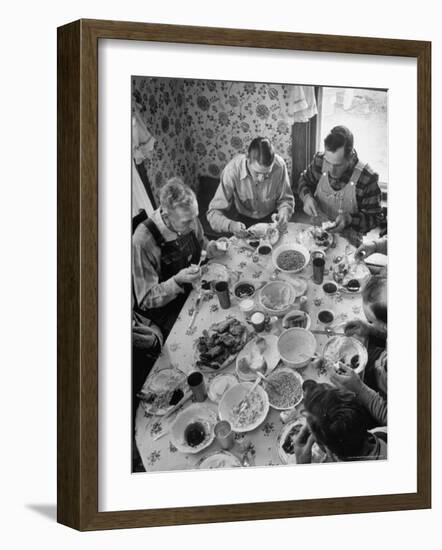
x=218, y=221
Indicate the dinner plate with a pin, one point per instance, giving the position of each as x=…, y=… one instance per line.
x=215, y=271
x=219, y=459
x=271, y=356
x=297, y=380
x=161, y=384
x=358, y=271
x=230, y=358
x=197, y=413
x=296, y=426
x=254, y=414
x=219, y=385
x=260, y=230
x=344, y=348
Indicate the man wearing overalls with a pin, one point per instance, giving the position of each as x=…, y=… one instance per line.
x=338, y=186
x=165, y=250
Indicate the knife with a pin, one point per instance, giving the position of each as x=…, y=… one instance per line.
x=328, y=332
x=197, y=305
x=165, y=430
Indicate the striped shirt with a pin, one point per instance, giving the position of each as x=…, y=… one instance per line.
x=146, y=264
x=368, y=193
x=254, y=200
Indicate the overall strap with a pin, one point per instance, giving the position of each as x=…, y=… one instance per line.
x=156, y=234
x=357, y=171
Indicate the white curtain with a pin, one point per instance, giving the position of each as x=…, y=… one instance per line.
x=302, y=103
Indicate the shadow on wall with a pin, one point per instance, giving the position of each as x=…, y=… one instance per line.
x=199, y=125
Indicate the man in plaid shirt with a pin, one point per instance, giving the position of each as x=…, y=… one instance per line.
x=341, y=187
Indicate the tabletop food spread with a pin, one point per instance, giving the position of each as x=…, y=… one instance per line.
x=252, y=372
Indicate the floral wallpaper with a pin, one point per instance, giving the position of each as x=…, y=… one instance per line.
x=200, y=125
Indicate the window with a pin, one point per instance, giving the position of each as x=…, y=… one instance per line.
x=364, y=112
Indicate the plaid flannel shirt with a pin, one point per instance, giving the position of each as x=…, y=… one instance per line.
x=368, y=193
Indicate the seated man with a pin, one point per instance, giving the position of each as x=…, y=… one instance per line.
x=252, y=188
x=338, y=422
x=165, y=249
x=338, y=186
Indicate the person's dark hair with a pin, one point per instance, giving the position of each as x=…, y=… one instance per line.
x=261, y=150
x=373, y=295
x=337, y=419
x=339, y=136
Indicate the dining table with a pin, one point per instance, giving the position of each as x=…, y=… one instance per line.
x=179, y=350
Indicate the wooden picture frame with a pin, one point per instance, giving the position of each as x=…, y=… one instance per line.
x=78, y=274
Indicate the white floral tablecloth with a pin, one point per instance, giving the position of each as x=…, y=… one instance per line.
x=179, y=352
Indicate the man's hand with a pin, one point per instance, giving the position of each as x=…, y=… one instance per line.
x=357, y=328
x=213, y=251
x=188, y=275
x=238, y=229
x=365, y=250
x=303, y=446
x=282, y=219
x=341, y=222
x=347, y=379
x=310, y=206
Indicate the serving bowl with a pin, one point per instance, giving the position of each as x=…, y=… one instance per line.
x=278, y=388
x=280, y=294
x=297, y=346
x=254, y=414
x=299, y=248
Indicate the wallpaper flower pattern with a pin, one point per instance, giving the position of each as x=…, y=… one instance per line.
x=200, y=125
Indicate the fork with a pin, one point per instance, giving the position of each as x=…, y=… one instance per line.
x=243, y=403
x=269, y=382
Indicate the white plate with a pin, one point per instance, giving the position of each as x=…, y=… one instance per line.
x=214, y=271
x=219, y=385
x=287, y=458
x=271, y=355
x=318, y=454
x=219, y=459
x=345, y=347
x=161, y=382
x=230, y=359
x=260, y=229
x=196, y=412
x=259, y=407
x=289, y=372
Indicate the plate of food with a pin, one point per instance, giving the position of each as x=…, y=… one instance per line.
x=276, y=297
x=297, y=347
x=213, y=272
x=286, y=440
x=296, y=318
x=218, y=459
x=345, y=350
x=219, y=385
x=260, y=354
x=244, y=418
x=284, y=388
x=163, y=391
x=219, y=345
x=259, y=231
x=351, y=276
x=290, y=258
x=193, y=428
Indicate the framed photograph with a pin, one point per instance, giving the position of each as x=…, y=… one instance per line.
x=244, y=231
